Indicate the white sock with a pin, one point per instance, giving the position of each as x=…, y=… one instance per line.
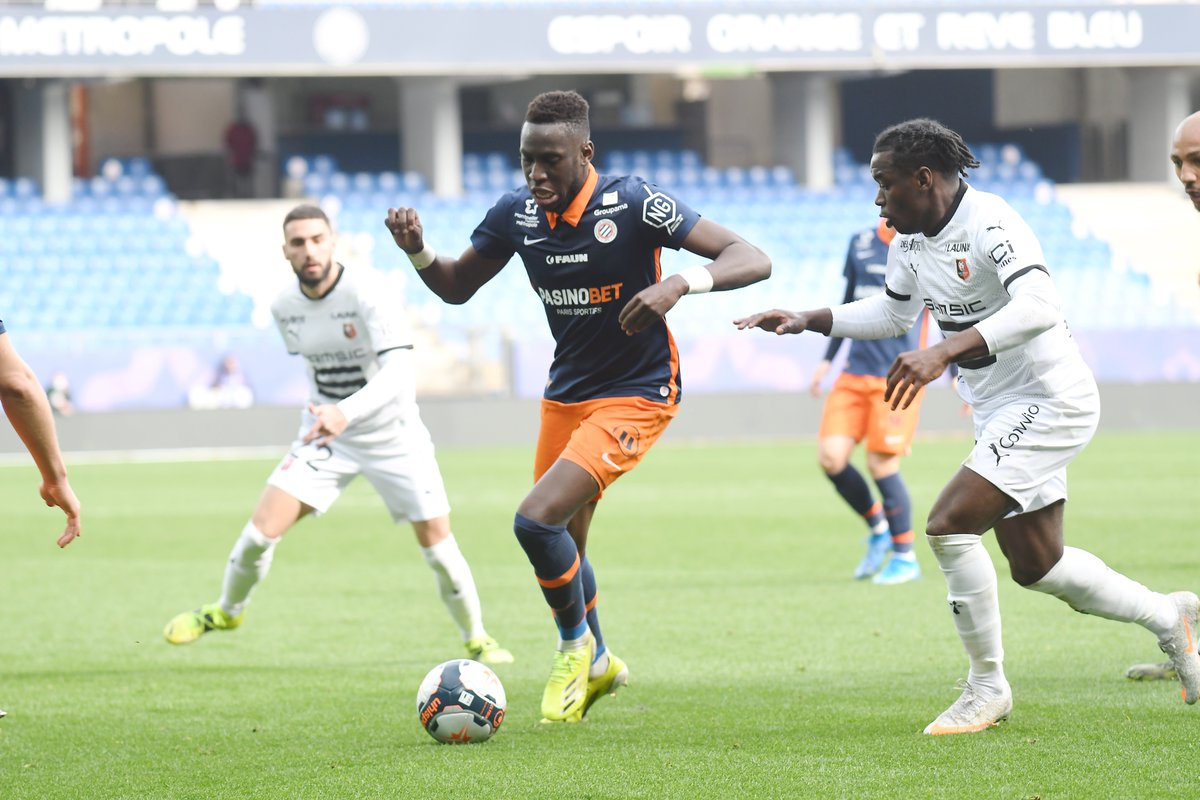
x=1088, y=585
x=249, y=563
x=574, y=644
x=971, y=581
x=599, y=666
x=456, y=585
x=880, y=527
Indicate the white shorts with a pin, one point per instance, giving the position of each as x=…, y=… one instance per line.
x=402, y=469
x=1023, y=448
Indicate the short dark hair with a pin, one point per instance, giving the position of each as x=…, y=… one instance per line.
x=306, y=212
x=567, y=108
x=926, y=143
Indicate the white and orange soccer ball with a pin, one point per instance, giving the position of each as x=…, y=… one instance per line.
x=460, y=702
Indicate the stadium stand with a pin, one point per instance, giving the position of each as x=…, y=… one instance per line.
x=805, y=231
x=118, y=255
x=123, y=244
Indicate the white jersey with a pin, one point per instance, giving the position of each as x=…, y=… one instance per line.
x=961, y=275
x=341, y=335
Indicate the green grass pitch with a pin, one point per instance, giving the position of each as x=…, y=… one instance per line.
x=759, y=668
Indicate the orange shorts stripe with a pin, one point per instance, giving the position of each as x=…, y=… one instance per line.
x=561, y=580
x=855, y=408
x=607, y=437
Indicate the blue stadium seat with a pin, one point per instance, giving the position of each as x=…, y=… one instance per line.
x=323, y=165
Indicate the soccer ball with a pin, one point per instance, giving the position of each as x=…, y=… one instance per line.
x=461, y=701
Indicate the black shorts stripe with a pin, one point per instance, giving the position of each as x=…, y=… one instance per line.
x=1021, y=272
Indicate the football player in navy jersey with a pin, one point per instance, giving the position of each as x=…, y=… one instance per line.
x=975, y=264
x=29, y=413
x=590, y=245
x=855, y=411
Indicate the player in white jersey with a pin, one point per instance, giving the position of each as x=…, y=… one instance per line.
x=974, y=263
x=1185, y=157
x=362, y=419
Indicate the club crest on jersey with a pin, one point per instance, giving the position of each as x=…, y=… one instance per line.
x=605, y=230
x=349, y=330
x=960, y=266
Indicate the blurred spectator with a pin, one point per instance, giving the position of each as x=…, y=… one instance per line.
x=241, y=149
x=59, y=395
x=228, y=388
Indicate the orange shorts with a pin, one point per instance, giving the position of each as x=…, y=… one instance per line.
x=607, y=437
x=855, y=408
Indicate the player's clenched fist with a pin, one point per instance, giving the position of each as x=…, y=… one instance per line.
x=405, y=226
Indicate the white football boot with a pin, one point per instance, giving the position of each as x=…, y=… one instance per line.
x=1181, y=645
x=972, y=712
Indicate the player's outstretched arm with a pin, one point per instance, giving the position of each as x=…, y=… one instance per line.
x=453, y=280
x=734, y=263
x=28, y=410
x=779, y=321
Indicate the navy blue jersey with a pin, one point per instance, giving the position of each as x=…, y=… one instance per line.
x=585, y=265
x=866, y=265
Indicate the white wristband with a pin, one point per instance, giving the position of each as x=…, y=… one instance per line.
x=698, y=279
x=424, y=258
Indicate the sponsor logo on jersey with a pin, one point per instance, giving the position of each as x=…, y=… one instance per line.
x=960, y=266
x=349, y=330
x=660, y=211
x=955, y=309
x=582, y=296
x=609, y=199
x=528, y=218
x=568, y=258
x=1009, y=440
x=1002, y=254
x=603, y=212
x=529, y=241
x=959, y=247
x=337, y=356
x=910, y=246
x=605, y=230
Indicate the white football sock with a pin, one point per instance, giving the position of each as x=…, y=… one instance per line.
x=456, y=586
x=249, y=563
x=975, y=605
x=599, y=666
x=1089, y=586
